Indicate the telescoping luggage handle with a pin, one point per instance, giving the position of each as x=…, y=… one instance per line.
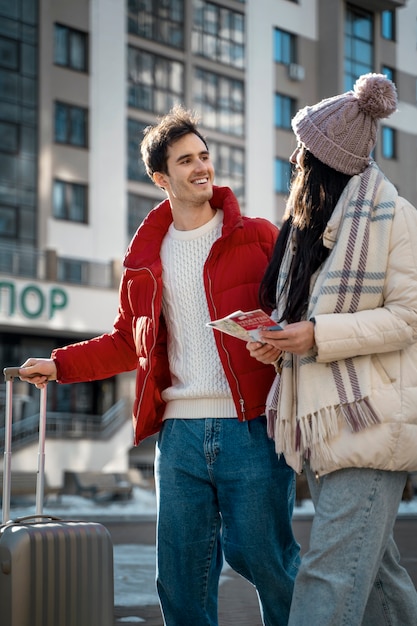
x=10, y=373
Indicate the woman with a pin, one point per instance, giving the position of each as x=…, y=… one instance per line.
x=343, y=280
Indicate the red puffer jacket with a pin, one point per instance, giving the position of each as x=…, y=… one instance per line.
x=232, y=274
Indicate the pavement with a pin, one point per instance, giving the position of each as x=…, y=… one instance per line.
x=135, y=561
x=238, y=605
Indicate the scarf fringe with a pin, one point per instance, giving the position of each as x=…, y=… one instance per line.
x=314, y=432
x=271, y=418
x=318, y=427
x=271, y=406
x=359, y=415
x=284, y=443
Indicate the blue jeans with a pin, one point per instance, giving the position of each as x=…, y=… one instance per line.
x=221, y=489
x=351, y=574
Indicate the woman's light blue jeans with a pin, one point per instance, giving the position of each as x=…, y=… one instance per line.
x=221, y=489
x=351, y=574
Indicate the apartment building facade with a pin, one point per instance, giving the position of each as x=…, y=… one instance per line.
x=81, y=79
x=313, y=50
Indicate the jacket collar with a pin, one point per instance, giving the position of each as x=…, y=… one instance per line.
x=146, y=243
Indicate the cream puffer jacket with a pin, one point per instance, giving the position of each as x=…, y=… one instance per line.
x=389, y=333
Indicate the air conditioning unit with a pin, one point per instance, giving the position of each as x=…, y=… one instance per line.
x=296, y=72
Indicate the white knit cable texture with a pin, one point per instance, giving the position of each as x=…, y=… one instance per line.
x=199, y=383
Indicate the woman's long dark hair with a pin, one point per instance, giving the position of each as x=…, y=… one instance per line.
x=315, y=190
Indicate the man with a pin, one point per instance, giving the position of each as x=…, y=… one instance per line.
x=221, y=488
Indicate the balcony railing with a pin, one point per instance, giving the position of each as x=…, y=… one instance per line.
x=382, y=5
x=27, y=262
x=22, y=261
x=68, y=426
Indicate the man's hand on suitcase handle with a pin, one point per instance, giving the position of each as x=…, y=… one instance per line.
x=38, y=372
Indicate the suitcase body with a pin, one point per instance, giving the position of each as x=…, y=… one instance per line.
x=54, y=572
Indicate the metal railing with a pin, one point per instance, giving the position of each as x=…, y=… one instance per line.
x=22, y=261
x=68, y=426
x=26, y=262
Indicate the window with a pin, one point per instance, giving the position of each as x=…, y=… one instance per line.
x=158, y=20
x=154, y=82
x=388, y=142
x=18, y=122
x=93, y=398
x=70, y=201
x=359, y=45
x=389, y=72
x=72, y=271
x=70, y=48
x=218, y=34
x=135, y=167
x=282, y=175
x=229, y=166
x=8, y=222
x=138, y=208
x=388, y=25
x=70, y=124
x=284, y=47
x=9, y=137
x=285, y=109
x=220, y=101
x=9, y=54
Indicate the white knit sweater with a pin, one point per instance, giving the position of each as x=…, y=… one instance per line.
x=199, y=386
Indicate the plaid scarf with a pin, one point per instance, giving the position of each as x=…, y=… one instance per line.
x=309, y=401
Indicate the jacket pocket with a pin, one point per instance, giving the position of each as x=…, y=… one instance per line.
x=380, y=371
x=386, y=394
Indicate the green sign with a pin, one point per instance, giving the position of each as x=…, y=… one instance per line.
x=31, y=301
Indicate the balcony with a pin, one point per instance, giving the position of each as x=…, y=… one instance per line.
x=381, y=5
x=70, y=426
x=27, y=262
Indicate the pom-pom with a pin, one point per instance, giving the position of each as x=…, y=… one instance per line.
x=377, y=95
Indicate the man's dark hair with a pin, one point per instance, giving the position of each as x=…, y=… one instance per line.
x=174, y=125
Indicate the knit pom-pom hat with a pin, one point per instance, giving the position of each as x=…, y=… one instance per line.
x=341, y=131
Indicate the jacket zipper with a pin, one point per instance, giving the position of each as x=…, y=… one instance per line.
x=241, y=400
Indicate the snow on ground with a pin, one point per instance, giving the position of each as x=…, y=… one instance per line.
x=143, y=503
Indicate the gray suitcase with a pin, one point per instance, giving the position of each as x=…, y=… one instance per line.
x=52, y=572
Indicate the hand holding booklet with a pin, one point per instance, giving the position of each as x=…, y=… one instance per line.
x=245, y=324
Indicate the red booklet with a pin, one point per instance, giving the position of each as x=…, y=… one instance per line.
x=245, y=324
